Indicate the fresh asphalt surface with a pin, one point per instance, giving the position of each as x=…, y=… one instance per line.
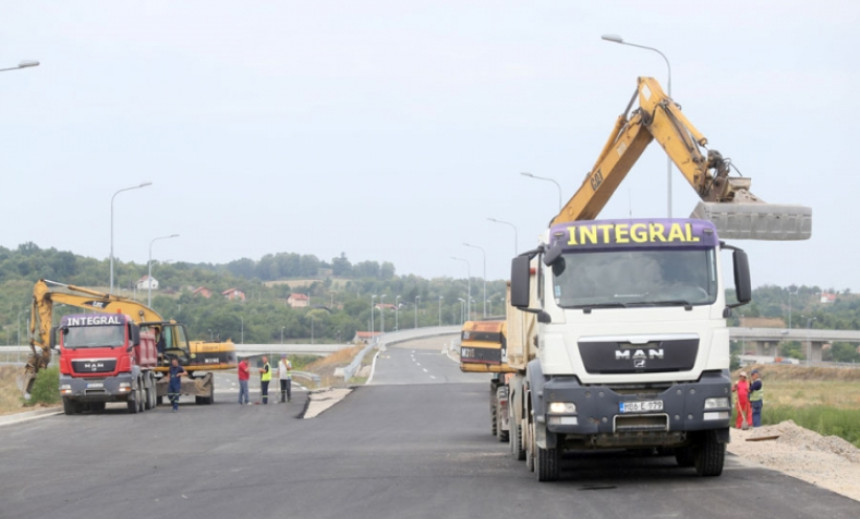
x=413, y=443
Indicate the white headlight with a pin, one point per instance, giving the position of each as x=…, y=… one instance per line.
x=717, y=403
x=561, y=408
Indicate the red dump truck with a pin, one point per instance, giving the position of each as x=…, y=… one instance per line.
x=106, y=358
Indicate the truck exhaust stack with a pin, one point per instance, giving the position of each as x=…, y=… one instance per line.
x=757, y=220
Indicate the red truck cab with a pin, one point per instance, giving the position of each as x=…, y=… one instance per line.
x=106, y=358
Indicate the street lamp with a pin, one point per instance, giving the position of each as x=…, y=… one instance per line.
x=372, y=311
x=242, y=333
x=484, y=254
x=440, y=313
x=149, y=263
x=514, y=227
x=468, y=284
x=382, y=313
x=282, y=334
x=417, y=298
x=144, y=184
x=614, y=38
x=462, y=308
x=790, y=293
x=22, y=64
x=532, y=175
x=396, y=311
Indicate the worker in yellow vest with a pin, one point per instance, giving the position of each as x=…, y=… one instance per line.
x=265, y=377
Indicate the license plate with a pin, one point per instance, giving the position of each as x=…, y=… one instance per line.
x=645, y=406
x=91, y=385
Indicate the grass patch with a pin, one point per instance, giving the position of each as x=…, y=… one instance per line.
x=826, y=421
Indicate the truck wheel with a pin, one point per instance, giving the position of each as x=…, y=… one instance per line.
x=493, y=419
x=70, y=406
x=517, y=450
x=97, y=407
x=710, y=455
x=547, y=463
x=159, y=400
x=501, y=434
x=530, y=447
x=148, y=390
x=133, y=398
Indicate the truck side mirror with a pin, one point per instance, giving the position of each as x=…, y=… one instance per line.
x=133, y=334
x=54, y=339
x=743, y=285
x=520, y=277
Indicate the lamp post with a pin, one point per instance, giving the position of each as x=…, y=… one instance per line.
x=149, y=264
x=382, y=313
x=242, y=333
x=484, y=255
x=417, y=298
x=22, y=64
x=372, y=311
x=790, y=293
x=532, y=175
x=282, y=334
x=440, y=314
x=514, y=227
x=614, y=38
x=468, y=284
x=143, y=184
x=462, y=307
x=312, y=329
x=396, y=311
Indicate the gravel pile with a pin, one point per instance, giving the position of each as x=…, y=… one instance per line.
x=825, y=461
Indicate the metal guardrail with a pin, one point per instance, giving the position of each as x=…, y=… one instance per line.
x=389, y=338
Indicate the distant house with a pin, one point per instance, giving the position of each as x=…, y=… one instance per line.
x=297, y=300
x=147, y=283
x=828, y=297
x=203, y=292
x=234, y=294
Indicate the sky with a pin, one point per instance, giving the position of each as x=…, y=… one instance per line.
x=393, y=130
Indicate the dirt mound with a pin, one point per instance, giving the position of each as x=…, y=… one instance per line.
x=826, y=461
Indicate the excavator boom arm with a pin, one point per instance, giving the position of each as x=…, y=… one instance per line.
x=726, y=200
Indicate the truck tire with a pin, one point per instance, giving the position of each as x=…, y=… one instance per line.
x=494, y=410
x=710, y=455
x=547, y=463
x=133, y=397
x=70, y=407
x=149, y=392
x=502, y=435
x=530, y=447
x=517, y=449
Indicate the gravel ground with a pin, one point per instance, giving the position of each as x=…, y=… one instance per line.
x=825, y=461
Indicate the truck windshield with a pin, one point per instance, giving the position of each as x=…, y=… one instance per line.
x=93, y=336
x=635, y=278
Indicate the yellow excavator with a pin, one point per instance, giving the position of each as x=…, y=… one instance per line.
x=172, y=341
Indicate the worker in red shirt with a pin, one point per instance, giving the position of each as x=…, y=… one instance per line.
x=244, y=375
x=742, y=388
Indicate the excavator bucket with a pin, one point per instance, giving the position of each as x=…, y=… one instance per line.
x=748, y=220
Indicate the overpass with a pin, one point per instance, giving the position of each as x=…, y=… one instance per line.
x=766, y=341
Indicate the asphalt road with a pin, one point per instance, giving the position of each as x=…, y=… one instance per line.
x=413, y=444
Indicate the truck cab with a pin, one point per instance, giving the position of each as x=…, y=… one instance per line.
x=631, y=344
x=105, y=358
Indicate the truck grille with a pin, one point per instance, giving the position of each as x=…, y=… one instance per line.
x=94, y=365
x=623, y=357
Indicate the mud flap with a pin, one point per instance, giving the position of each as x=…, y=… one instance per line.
x=757, y=220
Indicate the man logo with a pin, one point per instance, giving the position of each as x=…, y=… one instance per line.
x=639, y=355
